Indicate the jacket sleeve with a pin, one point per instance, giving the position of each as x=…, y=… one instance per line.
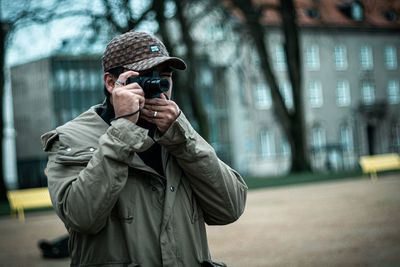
x=220, y=190
x=83, y=196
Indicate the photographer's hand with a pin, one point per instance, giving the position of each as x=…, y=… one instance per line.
x=160, y=111
x=127, y=99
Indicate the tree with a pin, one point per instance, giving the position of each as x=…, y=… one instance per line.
x=292, y=120
x=7, y=26
x=4, y=29
x=14, y=17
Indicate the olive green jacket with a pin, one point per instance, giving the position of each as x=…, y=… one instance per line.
x=120, y=212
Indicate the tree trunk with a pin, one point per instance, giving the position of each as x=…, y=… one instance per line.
x=292, y=121
x=3, y=39
x=191, y=80
x=297, y=131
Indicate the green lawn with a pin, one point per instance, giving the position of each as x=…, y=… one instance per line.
x=300, y=178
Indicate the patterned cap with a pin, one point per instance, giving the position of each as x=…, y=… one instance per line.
x=138, y=51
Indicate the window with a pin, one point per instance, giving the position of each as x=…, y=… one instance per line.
x=346, y=138
x=267, y=144
x=391, y=15
x=396, y=137
x=94, y=79
x=366, y=60
x=368, y=93
x=390, y=57
x=312, y=13
x=340, y=57
x=60, y=79
x=318, y=137
x=343, y=93
x=312, y=57
x=315, y=94
x=352, y=9
x=263, y=96
x=357, y=12
x=73, y=79
x=285, y=147
x=280, y=59
x=393, y=92
x=286, y=90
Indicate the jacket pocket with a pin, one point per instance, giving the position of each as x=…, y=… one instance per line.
x=121, y=213
x=74, y=159
x=123, y=209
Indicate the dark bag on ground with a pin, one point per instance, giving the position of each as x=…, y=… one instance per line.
x=54, y=249
x=209, y=263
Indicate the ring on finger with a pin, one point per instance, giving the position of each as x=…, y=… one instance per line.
x=155, y=114
x=120, y=83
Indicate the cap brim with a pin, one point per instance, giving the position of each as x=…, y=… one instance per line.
x=173, y=62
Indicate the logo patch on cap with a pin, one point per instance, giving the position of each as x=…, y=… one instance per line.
x=154, y=48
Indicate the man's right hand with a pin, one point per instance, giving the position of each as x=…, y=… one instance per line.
x=128, y=98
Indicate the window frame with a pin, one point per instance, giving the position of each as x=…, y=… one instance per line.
x=315, y=91
x=267, y=143
x=263, y=98
x=340, y=57
x=313, y=57
x=346, y=137
x=343, y=93
x=393, y=92
x=318, y=135
x=372, y=94
x=366, y=57
x=390, y=55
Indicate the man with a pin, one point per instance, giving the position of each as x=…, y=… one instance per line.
x=131, y=179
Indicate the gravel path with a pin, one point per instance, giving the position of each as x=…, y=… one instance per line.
x=344, y=223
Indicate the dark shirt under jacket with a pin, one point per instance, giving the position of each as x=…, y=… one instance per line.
x=152, y=156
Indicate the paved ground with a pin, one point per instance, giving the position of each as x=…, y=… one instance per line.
x=346, y=223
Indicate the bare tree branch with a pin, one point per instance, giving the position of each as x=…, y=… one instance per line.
x=131, y=23
x=209, y=7
x=198, y=108
x=137, y=21
x=111, y=18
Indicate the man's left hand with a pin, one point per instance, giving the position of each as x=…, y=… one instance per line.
x=160, y=111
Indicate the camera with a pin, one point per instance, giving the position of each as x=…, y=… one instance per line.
x=152, y=86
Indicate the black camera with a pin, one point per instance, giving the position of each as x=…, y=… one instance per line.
x=151, y=86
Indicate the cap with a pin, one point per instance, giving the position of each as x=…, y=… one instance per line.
x=138, y=51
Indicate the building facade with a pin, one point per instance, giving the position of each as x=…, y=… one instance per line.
x=350, y=85
x=47, y=93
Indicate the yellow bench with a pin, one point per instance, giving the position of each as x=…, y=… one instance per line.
x=28, y=199
x=376, y=163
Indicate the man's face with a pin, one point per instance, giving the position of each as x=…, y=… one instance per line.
x=163, y=71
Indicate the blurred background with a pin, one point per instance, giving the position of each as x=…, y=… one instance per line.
x=285, y=91
x=275, y=87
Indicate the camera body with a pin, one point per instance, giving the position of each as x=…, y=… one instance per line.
x=152, y=86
